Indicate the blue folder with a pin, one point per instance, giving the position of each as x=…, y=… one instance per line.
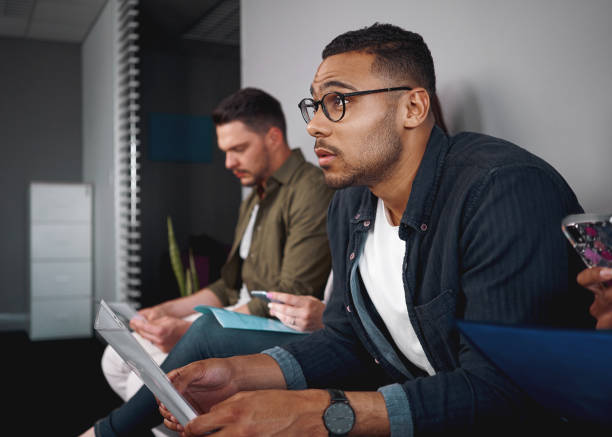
x=569, y=372
x=232, y=319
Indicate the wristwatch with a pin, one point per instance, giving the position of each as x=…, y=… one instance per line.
x=339, y=417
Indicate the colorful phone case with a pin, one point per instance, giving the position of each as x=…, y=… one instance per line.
x=591, y=237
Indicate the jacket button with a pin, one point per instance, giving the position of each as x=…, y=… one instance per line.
x=366, y=223
x=423, y=227
x=376, y=361
x=357, y=216
x=352, y=256
x=348, y=308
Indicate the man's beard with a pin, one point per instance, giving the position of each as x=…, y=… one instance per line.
x=382, y=151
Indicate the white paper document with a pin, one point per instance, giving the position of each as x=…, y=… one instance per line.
x=109, y=325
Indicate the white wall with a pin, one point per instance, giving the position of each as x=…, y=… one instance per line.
x=538, y=73
x=99, y=147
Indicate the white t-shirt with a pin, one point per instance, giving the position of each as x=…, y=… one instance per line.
x=245, y=247
x=245, y=243
x=381, y=270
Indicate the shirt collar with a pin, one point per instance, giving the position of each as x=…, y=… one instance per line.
x=285, y=172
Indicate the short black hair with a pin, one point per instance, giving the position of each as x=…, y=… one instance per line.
x=399, y=53
x=254, y=107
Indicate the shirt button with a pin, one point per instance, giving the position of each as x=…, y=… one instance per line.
x=352, y=256
x=366, y=223
x=348, y=308
x=357, y=216
x=423, y=227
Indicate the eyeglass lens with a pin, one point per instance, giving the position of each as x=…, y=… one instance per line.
x=308, y=109
x=332, y=105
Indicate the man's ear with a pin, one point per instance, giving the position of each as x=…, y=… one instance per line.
x=414, y=107
x=274, y=136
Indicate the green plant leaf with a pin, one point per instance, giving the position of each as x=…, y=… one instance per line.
x=194, y=273
x=175, y=258
x=188, y=286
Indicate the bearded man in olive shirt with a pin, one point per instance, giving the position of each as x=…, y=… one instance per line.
x=289, y=248
x=280, y=241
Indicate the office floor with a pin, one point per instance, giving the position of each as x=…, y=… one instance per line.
x=55, y=387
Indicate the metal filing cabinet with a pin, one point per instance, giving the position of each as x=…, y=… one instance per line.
x=60, y=260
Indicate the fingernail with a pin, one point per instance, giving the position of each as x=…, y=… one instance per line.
x=606, y=273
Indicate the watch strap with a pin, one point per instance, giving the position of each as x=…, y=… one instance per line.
x=337, y=396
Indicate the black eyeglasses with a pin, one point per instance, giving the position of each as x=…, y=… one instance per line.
x=334, y=104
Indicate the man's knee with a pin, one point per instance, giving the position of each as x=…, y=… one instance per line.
x=195, y=343
x=115, y=371
x=112, y=363
x=133, y=383
x=204, y=324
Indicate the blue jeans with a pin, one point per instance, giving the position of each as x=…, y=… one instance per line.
x=206, y=338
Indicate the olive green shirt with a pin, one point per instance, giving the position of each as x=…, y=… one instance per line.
x=289, y=249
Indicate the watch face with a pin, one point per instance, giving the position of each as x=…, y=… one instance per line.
x=339, y=418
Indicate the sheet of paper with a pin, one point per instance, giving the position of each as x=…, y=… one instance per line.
x=567, y=371
x=235, y=320
x=109, y=325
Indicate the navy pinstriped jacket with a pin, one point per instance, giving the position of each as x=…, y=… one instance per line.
x=483, y=242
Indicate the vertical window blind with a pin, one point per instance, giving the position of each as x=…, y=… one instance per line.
x=128, y=151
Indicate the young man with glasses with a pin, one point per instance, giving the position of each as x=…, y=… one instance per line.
x=425, y=228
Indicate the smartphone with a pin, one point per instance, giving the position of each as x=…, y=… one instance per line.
x=263, y=295
x=591, y=236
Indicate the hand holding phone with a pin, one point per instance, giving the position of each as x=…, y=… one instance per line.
x=263, y=295
x=591, y=236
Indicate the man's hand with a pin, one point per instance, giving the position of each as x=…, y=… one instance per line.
x=208, y=382
x=261, y=413
x=599, y=281
x=205, y=383
x=304, y=313
x=164, y=332
x=151, y=313
x=283, y=413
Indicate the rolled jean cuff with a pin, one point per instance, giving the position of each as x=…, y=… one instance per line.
x=292, y=371
x=398, y=410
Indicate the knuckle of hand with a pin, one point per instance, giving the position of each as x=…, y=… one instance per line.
x=234, y=413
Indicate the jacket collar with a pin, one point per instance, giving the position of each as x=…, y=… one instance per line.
x=426, y=181
x=424, y=188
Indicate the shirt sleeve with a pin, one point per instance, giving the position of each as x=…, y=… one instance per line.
x=294, y=378
x=398, y=410
x=225, y=294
